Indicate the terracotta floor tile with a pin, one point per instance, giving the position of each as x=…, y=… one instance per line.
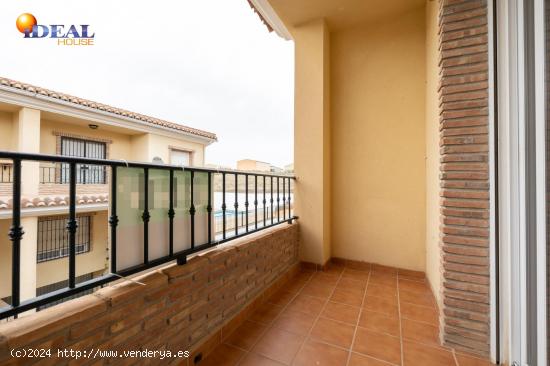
x=377, y=268
x=314, y=289
x=419, y=313
x=423, y=299
x=415, y=354
x=295, y=322
x=341, y=312
x=253, y=359
x=383, y=279
x=466, y=360
x=224, y=355
x=382, y=305
x=246, y=335
x=307, y=304
x=412, y=275
x=357, y=275
x=266, y=313
x=359, y=265
x=281, y=297
x=318, y=354
x=381, y=291
x=334, y=269
x=333, y=332
x=303, y=276
x=361, y=360
x=351, y=284
x=381, y=346
x=326, y=278
x=414, y=286
x=294, y=286
x=420, y=332
x=349, y=297
x=279, y=345
x=379, y=322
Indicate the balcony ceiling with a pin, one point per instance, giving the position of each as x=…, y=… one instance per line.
x=340, y=14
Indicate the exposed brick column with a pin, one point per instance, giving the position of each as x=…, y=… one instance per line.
x=464, y=142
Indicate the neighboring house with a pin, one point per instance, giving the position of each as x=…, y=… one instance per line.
x=36, y=120
x=253, y=165
x=289, y=168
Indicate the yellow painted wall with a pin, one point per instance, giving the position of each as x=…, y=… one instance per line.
x=5, y=259
x=56, y=270
x=433, y=255
x=160, y=146
x=118, y=149
x=254, y=165
x=6, y=120
x=142, y=147
x=94, y=260
x=378, y=101
x=312, y=139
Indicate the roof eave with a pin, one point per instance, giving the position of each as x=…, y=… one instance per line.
x=22, y=99
x=270, y=18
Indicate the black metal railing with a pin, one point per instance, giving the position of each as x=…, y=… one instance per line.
x=149, y=213
x=85, y=174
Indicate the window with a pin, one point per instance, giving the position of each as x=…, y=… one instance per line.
x=53, y=237
x=180, y=157
x=85, y=173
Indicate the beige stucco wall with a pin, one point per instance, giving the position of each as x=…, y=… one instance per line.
x=160, y=146
x=142, y=147
x=118, y=149
x=94, y=260
x=6, y=120
x=378, y=77
x=312, y=140
x=5, y=259
x=254, y=165
x=145, y=147
x=433, y=255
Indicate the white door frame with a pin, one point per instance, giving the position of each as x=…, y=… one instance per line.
x=540, y=128
x=513, y=167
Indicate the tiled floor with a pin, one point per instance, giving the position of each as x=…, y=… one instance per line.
x=343, y=317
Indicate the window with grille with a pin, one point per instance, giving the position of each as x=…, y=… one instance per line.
x=53, y=237
x=85, y=173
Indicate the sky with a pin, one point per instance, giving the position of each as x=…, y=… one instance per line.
x=208, y=64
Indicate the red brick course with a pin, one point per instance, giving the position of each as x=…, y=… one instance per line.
x=464, y=147
x=188, y=307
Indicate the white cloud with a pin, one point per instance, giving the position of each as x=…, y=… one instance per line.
x=209, y=64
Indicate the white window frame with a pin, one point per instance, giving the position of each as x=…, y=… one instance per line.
x=182, y=149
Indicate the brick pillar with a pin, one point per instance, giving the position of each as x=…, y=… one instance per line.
x=464, y=178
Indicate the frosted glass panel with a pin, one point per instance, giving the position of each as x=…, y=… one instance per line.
x=182, y=218
x=200, y=198
x=130, y=197
x=159, y=203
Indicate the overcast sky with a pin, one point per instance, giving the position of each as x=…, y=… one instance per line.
x=209, y=64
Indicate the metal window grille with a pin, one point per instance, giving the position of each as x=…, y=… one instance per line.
x=6, y=175
x=85, y=173
x=53, y=237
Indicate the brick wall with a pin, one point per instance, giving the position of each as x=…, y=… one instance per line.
x=188, y=307
x=464, y=174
